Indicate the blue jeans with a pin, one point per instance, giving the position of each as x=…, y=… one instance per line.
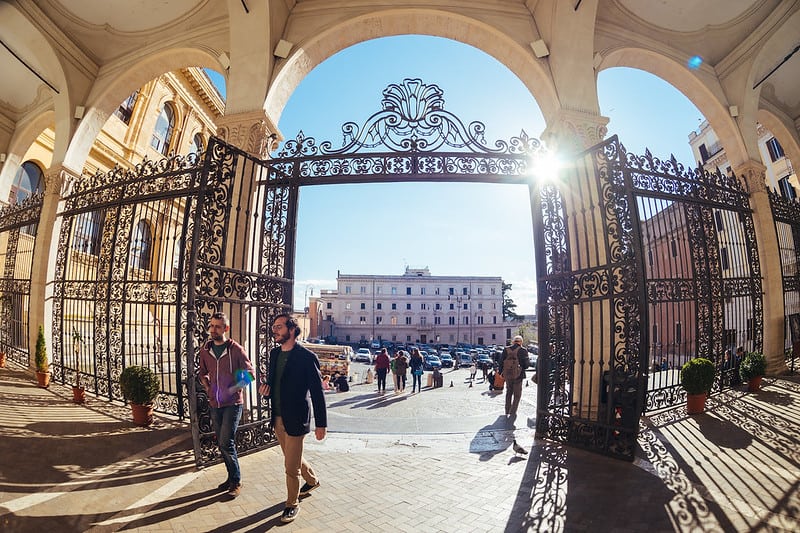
x=225, y=421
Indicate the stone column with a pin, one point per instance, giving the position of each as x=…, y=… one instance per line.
x=252, y=131
x=570, y=132
x=40, y=311
x=752, y=173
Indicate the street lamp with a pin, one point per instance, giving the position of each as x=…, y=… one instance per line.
x=458, y=300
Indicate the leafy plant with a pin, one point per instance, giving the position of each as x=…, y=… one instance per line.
x=139, y=385
x=753, y=364
x=41, y=351
x=697, y=376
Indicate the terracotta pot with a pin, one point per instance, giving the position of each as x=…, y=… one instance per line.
x=78, y=394
x=754, y=385
x=142, y=414
x=43, y=378
x=2, y=359
x=696, y=403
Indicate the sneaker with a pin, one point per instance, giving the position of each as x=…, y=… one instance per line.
x=306, y=488
x=234, y=490
x=289, y=514
x=225, y=485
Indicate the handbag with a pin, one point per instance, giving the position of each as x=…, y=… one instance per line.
x=418, y=372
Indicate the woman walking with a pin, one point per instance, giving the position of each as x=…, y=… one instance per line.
x=400, y=366
x=382, y=364
x=417, y=364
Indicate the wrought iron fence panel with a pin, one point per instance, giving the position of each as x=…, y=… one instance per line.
x=120, y=287
x=18, y=227
x=786, y=214
x=702, y=278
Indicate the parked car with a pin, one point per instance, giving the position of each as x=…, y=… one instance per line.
x=463, y=359
x=375, y=345
x=363, y=355
x=446, y=360
x=431, y=362
x=484, y=361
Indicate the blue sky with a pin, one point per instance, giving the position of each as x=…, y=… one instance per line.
x=454, y=229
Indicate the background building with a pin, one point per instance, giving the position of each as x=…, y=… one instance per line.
x=415, y=307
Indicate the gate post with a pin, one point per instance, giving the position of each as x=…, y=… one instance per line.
x=44, y=259
x=752, y=173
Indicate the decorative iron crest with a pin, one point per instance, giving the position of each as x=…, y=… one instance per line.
x=412, y=120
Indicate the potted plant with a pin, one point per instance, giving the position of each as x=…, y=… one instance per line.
x=78, y=389
x=42, y=364
x=140, y=386
x=697, y=377
x=752, y=369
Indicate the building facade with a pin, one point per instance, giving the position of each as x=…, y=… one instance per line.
x=415, y=307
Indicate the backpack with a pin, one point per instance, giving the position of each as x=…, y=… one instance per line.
x=511, y=367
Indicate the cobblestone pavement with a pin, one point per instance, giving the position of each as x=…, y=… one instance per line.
x=436, y=461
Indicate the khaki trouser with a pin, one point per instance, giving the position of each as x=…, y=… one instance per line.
x=296, y=467
x=513, y=395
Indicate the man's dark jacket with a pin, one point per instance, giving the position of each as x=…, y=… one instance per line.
x=301, y=385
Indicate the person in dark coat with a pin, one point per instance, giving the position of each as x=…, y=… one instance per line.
x=293, y=385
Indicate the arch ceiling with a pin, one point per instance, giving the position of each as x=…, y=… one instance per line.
x=75, y=41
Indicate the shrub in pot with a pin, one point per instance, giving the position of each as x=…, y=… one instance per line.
x=40, y=358
x=140, y=386
x=697, y=377
x=752, y=369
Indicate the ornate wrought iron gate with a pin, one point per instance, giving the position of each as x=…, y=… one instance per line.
x=18, y=225
x=641, y=265
x=786, y=214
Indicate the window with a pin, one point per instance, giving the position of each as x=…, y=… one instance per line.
x=198, y=145
x=480, y=306
x=328, y=317
x=786, y=188
x=141, y=245
x=380, y=305
x=775, y=149
x=436, y=291
x=480, y=320
x=423, y=320
x=422, y=291
x=703, y=152
x=423, y=307
x=348, y=320
x=465, y=306
x=452, y=306
x=466, y=320
x=347, y=338
x=674, y=246
x=328, y=305
x=26, y=182
x=363, y=306
x=451, y=320
x=438, y=306
x=750, y=328
x=393, y=320
x=655, y=339
x=347, y=306
x=394, y=290
x=363, y=290
x=650, y=257
x=162, y=134
x=378, y=290
x=408, y=307
x=723, y=258
x=348, y=289
x=394, y=307
x=362, y=320
x=451, y=291
x=408, y=291
x=408, y=321
x=480, y=290
x=492, y=289
x=494, y=320
x=88, y=232
x=378, y=319
x=437, y=320
x=464, y=291
x=678, y=333
x=718, y=220
x=125, y=109
x=408, y=338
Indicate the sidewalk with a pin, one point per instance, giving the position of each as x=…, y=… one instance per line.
x=70, y=468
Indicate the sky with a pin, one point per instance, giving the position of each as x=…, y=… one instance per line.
x=453, y=229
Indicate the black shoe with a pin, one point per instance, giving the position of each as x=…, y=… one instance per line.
x=289, y=514
x=306, y=488
x=224, y=485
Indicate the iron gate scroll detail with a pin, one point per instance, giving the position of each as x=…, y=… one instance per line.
x=786, y=214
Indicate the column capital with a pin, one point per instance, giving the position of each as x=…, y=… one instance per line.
x=252, y=131
x=571, y=131
x=753, y=175
x=58, y=179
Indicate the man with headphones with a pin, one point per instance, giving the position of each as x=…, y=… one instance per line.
x=293, y=384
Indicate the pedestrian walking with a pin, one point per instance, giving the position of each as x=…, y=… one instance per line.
x=293, y=385
x=399, y=369
x=382, y=365
x=513, y=363
x=417, y=364
x=225, y=371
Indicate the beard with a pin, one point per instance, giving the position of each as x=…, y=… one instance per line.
x=280, y=338
x=217, y=338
